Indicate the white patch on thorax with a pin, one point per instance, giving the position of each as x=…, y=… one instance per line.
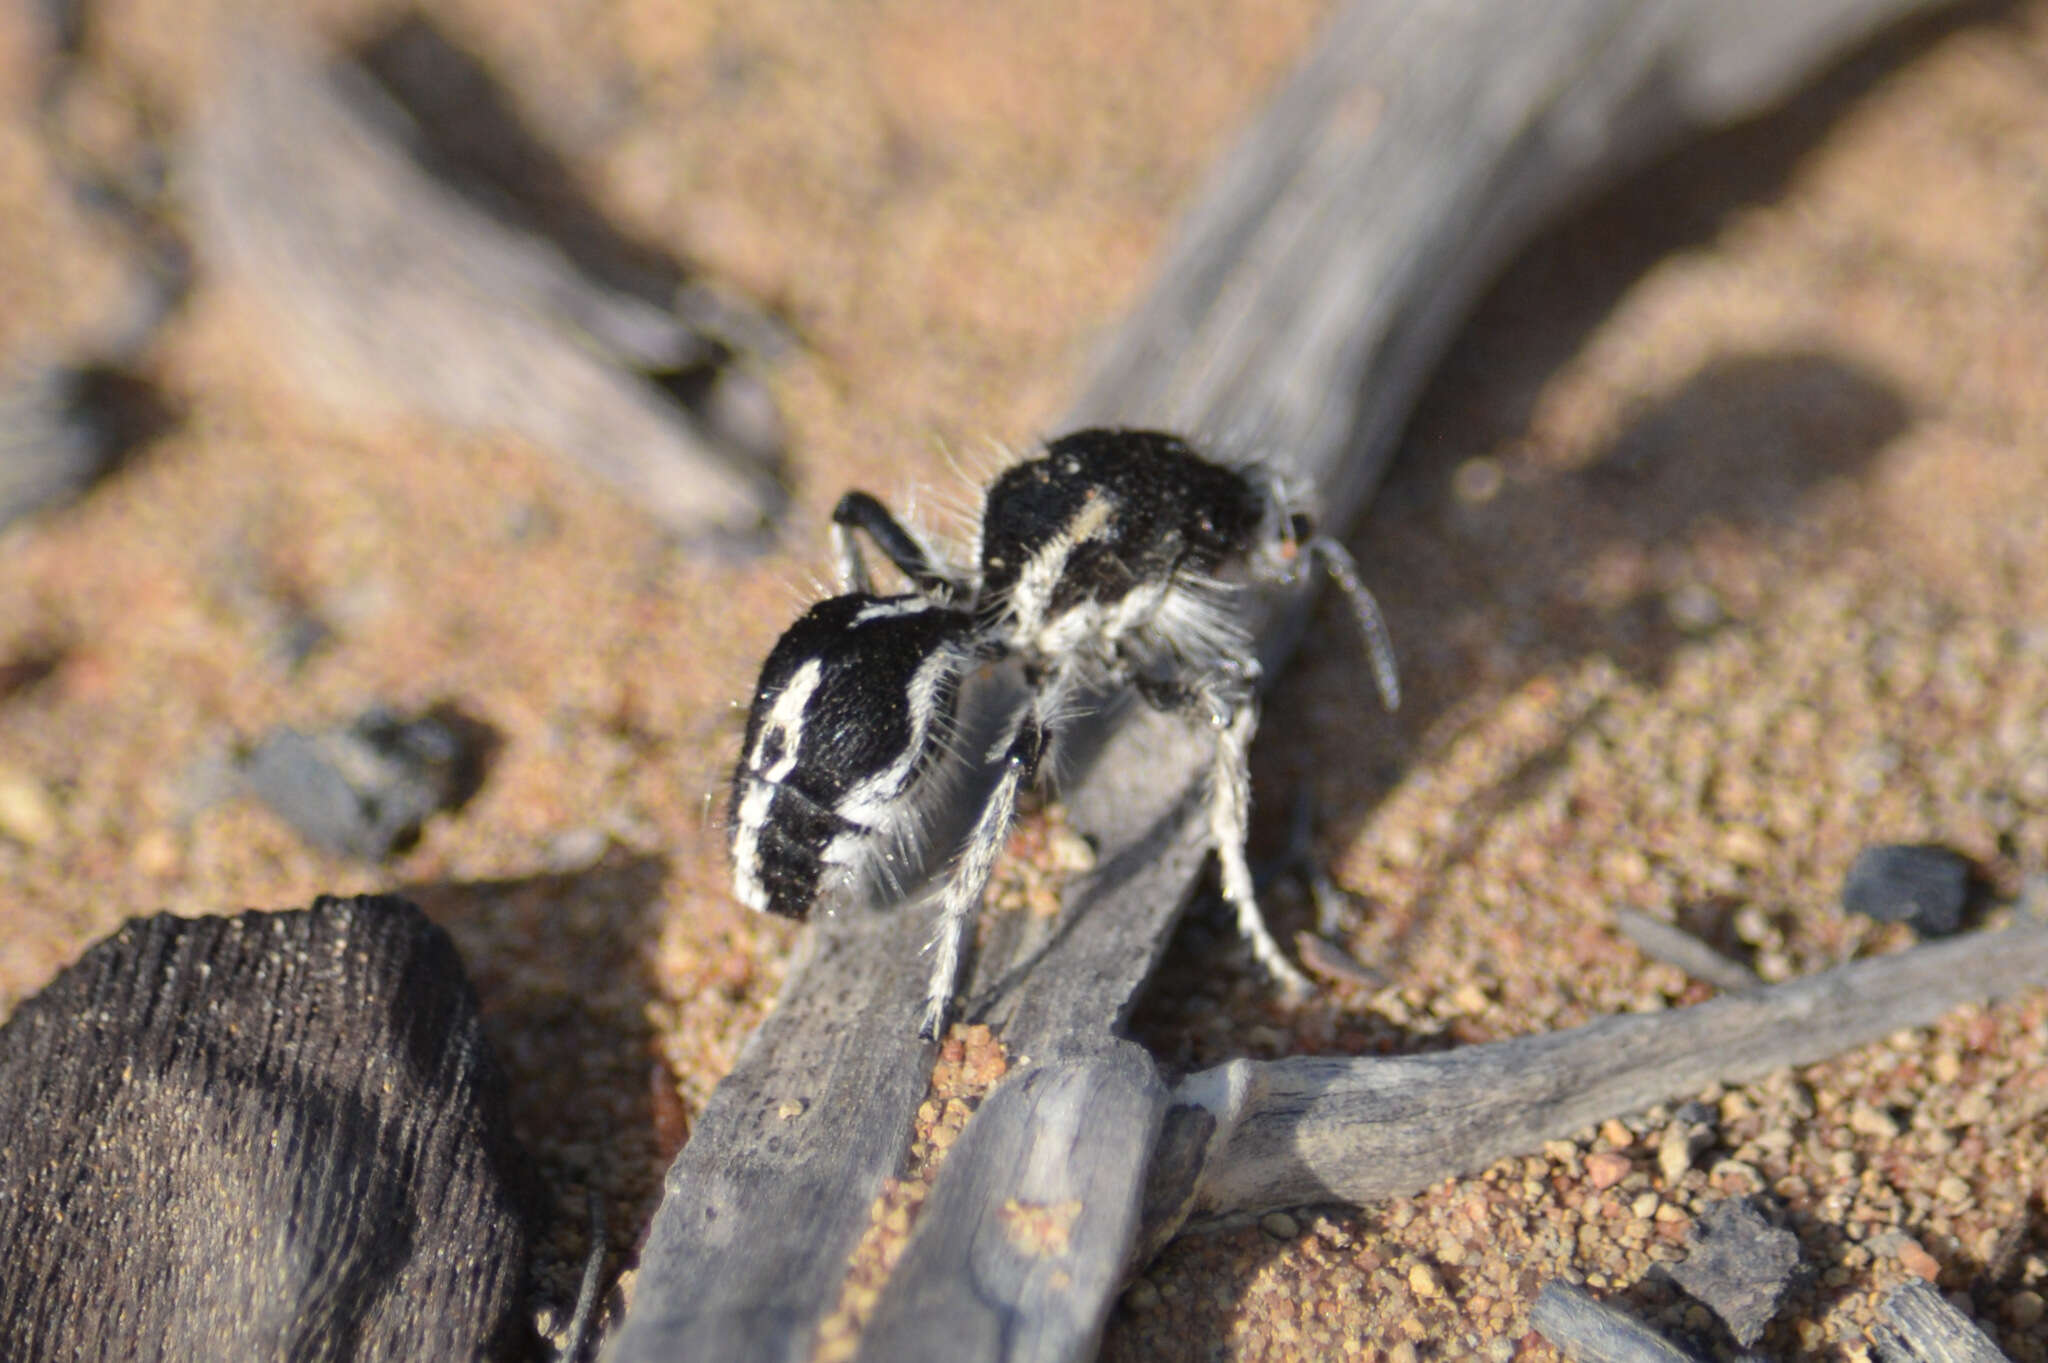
x=1031, y=597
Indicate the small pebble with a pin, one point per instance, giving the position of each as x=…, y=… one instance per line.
x=1730, y=1174
x=156, y=853
x=1469, y=999
x=576, y=849
x=1745, y=845
x=1422, y=1280
x=1477, y=481
x=1605, y=1169
x=1916, y=1260
x=1925, y=885
x=1279, y=1225
x=1677, y=1146
x=1141, y=1296
x=1694, y=609
x=27, y=813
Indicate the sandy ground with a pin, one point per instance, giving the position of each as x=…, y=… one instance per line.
x=1716, y=553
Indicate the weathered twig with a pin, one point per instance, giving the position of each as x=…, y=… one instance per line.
x=1919, y=1326
x=1660, y=941
x=1590, y=1331
x=401, y=297
x=1315, y=287
x=1284, y=1132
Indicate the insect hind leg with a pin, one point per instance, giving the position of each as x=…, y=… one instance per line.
x=1030, y=737
x=859, y=511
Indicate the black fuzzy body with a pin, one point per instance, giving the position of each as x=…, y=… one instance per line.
x=1169, y=513
x=881, y=677
x=1113, y=561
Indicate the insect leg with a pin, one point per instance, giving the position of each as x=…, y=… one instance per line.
x=850, y=568
x=862, y=512
x=1236, y=716
x=1030, y=736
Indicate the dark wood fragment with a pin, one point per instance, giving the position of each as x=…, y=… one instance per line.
x=1919, y=1326
x=365, y=788
x=1589, y=1331
x=1923, y=884
x=65, y=426
x=279, y=1135
x=1740, y=1266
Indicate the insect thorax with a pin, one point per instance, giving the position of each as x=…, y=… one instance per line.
x=1113, y=537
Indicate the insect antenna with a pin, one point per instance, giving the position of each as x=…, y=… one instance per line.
x=1379, y=644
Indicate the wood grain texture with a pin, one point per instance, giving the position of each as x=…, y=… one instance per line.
x=1028, y=1253
x=1919, y=1326
x=277, y=1135
x=1589, y=1331
x=766, y=1202
x=1316, y=283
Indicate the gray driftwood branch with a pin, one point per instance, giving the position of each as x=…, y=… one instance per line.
x=1279, y=1133
x=1316, y=284
x=399, y=296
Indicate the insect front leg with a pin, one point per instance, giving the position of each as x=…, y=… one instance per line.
x=1235, y=715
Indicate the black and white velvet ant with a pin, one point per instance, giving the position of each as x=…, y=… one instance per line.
x=1113, y=559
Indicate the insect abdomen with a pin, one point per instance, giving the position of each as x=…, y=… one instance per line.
x=853, y=708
